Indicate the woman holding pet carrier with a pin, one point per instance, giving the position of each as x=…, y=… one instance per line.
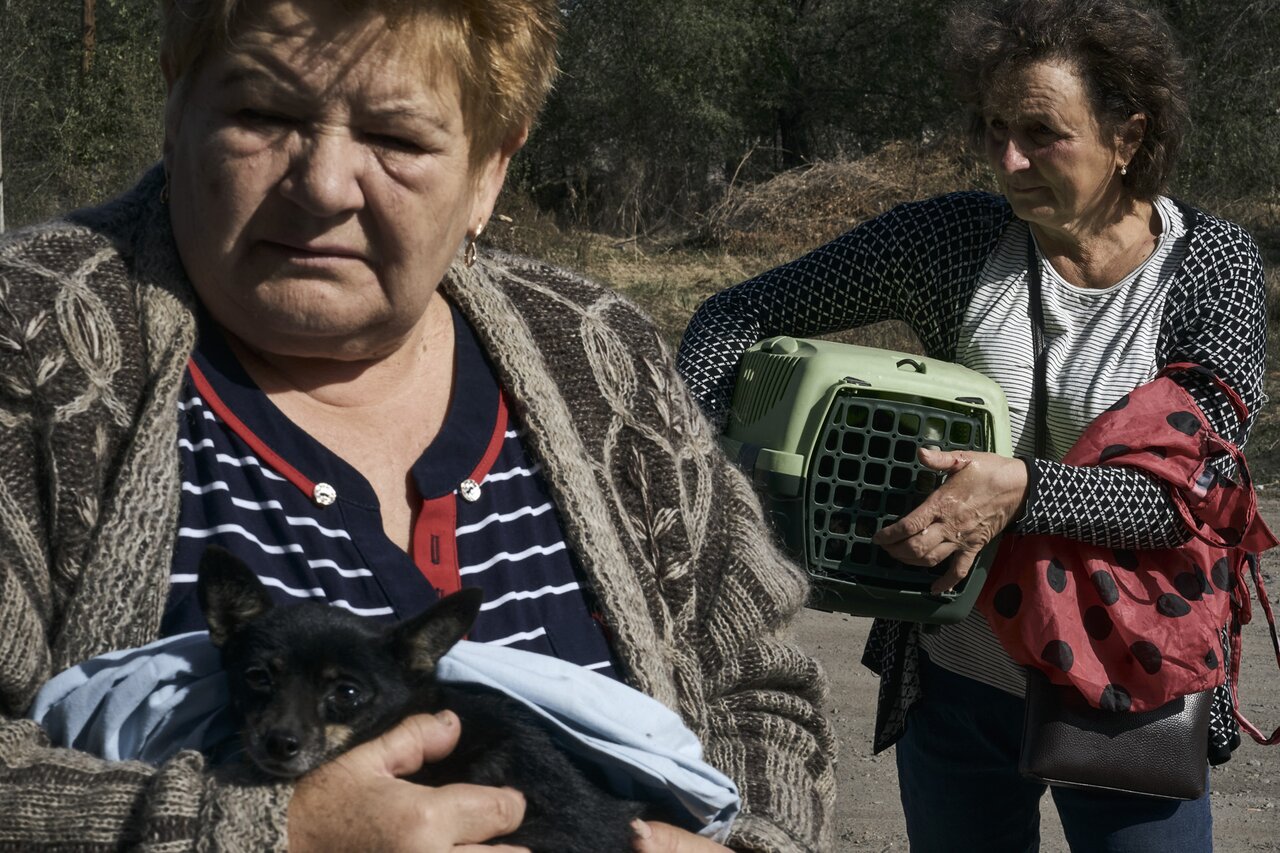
x=285, y=340
x=1079, y=108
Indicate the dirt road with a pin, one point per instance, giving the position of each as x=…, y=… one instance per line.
x=1246, y=790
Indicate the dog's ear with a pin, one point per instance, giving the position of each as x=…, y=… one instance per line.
x=423, y=640
x=230, y=593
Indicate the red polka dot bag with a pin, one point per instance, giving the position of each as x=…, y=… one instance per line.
x=1134, y=630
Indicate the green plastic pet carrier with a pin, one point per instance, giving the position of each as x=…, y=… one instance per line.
x=829, y=433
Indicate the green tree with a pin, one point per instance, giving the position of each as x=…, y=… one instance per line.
x=655, y=97
x=857, y=74
x=1233, y=150
x=71, y=136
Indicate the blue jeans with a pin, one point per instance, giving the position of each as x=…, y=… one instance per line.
x=961, y=791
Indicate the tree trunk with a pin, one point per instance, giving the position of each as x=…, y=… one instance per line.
x=88, y=34
x=793, y=135
x=1, y=168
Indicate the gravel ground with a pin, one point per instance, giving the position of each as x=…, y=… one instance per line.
x=1246, y=790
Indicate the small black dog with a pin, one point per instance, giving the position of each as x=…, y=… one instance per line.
x=311, y=681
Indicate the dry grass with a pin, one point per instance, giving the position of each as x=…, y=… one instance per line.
x=806, y=207
x=670, y=280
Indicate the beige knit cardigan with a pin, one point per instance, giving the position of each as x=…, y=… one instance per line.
x=96, y=324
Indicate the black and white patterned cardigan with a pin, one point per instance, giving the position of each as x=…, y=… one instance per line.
x=921, y=263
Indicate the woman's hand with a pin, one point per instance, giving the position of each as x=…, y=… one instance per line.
x=982, y=494
x=655, y=837
x=359, y=802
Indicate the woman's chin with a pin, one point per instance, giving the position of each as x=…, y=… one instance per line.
x=329, y=336
x=313, y=318
x=1032, y=209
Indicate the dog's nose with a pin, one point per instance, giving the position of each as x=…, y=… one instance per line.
x=282, y=746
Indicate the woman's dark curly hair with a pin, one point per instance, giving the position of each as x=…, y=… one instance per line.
x=1123, y=51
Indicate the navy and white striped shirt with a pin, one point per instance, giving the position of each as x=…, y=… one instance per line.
x=253, y=482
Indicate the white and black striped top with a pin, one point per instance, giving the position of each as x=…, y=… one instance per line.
x=249, y=481
x=953, y=268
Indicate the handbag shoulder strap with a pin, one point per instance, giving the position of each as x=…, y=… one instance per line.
x=1040, y=390
x=1236, y=646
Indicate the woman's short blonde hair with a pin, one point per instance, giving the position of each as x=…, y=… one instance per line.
x=502, y=51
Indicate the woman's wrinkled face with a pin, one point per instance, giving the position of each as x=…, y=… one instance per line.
x=320, y=183
x=1052, y=159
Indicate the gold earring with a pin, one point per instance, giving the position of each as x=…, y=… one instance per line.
x=1124, y=170
x=469, y=254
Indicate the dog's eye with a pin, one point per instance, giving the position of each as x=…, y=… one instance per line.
x=257, y=678
x=347, y=695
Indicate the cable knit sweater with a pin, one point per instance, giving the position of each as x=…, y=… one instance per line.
x=96, y=323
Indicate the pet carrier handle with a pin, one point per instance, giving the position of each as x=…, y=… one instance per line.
x=782, y=345
x=917, y=366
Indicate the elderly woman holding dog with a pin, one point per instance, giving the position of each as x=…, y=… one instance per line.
x=285, y=341
x=1078, y=106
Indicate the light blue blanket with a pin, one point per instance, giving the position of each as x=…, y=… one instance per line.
x=148, y=703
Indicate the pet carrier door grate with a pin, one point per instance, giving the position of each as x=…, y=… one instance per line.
x=865, y=475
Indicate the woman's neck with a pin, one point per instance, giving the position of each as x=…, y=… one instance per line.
x=1100, y=253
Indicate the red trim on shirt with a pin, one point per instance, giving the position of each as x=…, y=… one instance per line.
x=495, y=441
x=259, y=447
x=434, y=546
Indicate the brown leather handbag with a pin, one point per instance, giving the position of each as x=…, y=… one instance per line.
x=1158, y=753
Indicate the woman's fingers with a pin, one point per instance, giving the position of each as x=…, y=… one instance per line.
x=956, y=572
x=945, y=461
x=357, y=801
x=929, y=547
x=339, y=811
x=417, y=740
x=655, y=837
x=468, y=814
x=944, y=550
x=906, y=528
